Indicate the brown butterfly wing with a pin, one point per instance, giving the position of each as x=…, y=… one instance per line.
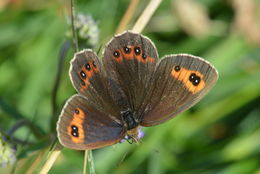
x=130, y=60
x=82, y=126
x=179, y=82
x=89, y=79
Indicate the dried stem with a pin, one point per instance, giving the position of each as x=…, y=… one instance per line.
x=85, y=162
x=146, y=15
x=127, y=16
x=36, y=161
x=49, y=163
x=54, y=152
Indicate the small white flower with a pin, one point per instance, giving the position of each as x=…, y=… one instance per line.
x=87, y=30
x=7, y=153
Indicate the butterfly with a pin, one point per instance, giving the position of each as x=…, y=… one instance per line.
x=130, y=88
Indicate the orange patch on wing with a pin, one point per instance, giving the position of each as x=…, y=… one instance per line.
x=89, y=73
x=78, y=119
x=140, y=58
x=184, y=75
x=130, y=55
x=84, y=87
x=95, y=69
x=119, y=60
x=85, y=80
x=146, y=60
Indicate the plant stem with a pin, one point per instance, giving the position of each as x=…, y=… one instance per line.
x=62, y=55
x=146, y=15
x=85, y=162
x=54, y=152
x=91, y=163
x=50, y=162
x=20, y=123
x=74, y=33
x=127, y=16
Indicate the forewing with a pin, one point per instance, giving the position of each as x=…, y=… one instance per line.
x=179, y=82
x=130, y=60
x=89, y=79
x=81, y=126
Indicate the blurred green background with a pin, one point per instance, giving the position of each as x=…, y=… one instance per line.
x=221, y=134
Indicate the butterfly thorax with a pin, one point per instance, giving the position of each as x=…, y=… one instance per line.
x=131, y=124
x=129, y=120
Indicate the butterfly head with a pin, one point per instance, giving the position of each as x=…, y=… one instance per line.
x=132, y=125
x=133, y=135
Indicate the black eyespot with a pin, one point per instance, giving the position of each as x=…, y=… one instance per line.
x=177, y=68
x=137, y=50
x=116, y=54
x=196, y=81
x=82, y=74
x=87, y=66
x=75, y=128
x=94, y=64
x=144, y=56
x=74, y=131
x=76, y=111
x=192, y=77
x=127, y=50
